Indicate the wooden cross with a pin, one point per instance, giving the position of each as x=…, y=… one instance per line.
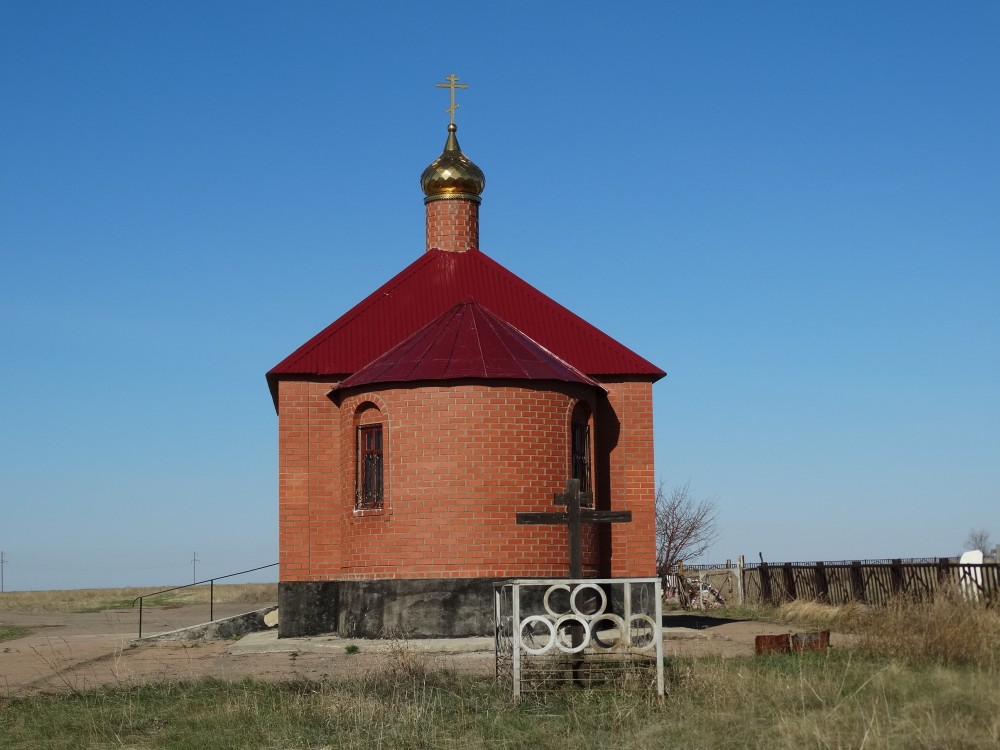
x=574, y=517
x=452, y=84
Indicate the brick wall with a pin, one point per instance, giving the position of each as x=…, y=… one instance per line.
x=308, y=475
x=453, y=225
x=460, y=462
x=632, y=476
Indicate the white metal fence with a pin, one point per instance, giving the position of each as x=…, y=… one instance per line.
x=556, y=632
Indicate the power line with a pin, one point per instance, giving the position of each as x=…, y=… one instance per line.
x=96, y=567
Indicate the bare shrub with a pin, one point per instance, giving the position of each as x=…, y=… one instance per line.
x=685, y=527
x=978, y=539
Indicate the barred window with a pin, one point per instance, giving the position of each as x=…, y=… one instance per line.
x=369, y=493
x=581, y=455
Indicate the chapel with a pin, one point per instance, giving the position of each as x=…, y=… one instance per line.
x=414, y=428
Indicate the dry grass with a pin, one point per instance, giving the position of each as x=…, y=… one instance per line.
x=96, y=600
x=949, y=630
x=845, y=617
x=924, y=676
x=837, y=699
x=802, y=613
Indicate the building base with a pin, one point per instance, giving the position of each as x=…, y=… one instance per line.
x=388, y=608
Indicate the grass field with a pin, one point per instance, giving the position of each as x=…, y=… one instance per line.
x=98, y=600
x=833, y=700
x=922, y=675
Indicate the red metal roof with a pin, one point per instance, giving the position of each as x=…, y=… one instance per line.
x=466, y=341
x=432, y=284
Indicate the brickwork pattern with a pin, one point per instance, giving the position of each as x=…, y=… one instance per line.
x=633, y=478
x=453, y=225
x=460, y=462
x=308, y=469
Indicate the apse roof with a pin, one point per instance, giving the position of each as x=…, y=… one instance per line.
x=466, y=341
x=432, y=284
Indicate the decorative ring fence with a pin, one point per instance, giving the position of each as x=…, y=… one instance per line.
x=553, y=633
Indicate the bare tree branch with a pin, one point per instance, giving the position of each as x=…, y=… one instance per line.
x=685, y=527
x=978, y=539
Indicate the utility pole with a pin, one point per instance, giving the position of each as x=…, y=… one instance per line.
x=3, y=561
x=194, y=568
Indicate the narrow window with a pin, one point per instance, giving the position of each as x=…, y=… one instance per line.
x=369, y=466
x=581, y=455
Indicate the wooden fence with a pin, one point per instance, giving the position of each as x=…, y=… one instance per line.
x=865, y=581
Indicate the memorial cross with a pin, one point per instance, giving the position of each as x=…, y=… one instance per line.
x=574, y=517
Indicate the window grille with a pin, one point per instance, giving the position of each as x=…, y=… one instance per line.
x=581, y=455
x=369, y=493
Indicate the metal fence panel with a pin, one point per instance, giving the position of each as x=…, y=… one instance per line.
x=552, y=633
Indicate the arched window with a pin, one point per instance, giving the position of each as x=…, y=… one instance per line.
x=580, y=451
x=370, y=458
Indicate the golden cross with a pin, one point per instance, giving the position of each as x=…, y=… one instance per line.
x=452, y=85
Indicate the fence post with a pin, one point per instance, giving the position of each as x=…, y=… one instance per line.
x=944, y=572
x=896, y=577
x=516, y=639
x=822, y=584
x=858, y=583
x=765, y=584
x=739, y=580
x=789, y=576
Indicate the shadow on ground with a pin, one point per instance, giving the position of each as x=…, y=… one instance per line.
x=696, y=621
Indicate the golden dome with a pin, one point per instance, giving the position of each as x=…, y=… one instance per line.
x=452, y=175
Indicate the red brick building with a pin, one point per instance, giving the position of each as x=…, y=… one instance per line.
x=414, y=427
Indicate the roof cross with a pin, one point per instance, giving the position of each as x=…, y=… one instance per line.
x=452, y=84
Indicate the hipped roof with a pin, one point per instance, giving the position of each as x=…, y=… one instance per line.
x=432, y=284
x=466, y=341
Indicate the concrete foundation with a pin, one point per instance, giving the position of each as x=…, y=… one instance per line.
x=405, y=608
x=224, y=629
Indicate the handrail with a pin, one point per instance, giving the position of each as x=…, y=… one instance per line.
x=211, y=592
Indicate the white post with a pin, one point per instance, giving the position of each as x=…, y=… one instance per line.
x=516, y=638
x=627, y=604
x=658, y=635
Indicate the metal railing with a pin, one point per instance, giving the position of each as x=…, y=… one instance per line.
x=211, y=592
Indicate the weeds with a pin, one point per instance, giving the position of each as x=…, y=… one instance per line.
x=950, y=630
x=923, y=675
x=10, y=632
x=801, y=613
x=832, y=699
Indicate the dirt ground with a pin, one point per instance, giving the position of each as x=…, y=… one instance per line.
x=70, y=652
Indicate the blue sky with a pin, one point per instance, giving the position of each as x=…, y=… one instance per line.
x=793, y=208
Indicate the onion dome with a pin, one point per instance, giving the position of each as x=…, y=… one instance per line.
x=452, y=175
